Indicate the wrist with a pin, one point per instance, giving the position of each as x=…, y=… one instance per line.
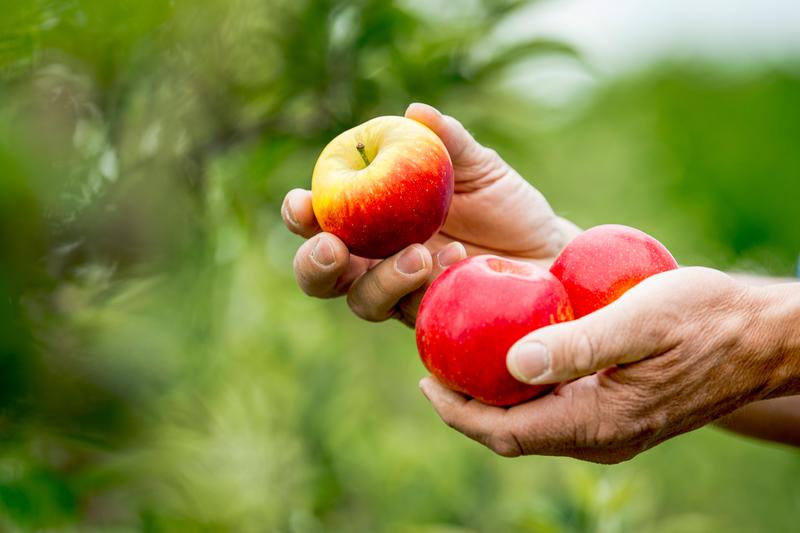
x=778, y=324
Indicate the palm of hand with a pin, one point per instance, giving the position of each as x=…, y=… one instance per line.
x=495, y=211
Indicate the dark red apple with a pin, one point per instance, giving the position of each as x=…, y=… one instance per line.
x=603, y=262
x=473, y=313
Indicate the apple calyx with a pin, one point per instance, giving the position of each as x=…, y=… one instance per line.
x=360, y=148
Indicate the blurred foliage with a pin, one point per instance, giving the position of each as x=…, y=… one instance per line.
x=161, y=372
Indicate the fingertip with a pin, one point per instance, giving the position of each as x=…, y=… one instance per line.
x=429, y=382
x=431, y=117
x=298, y=213
x=414, y=260
x=300, y=193
x=453, y=134
x=422, y=112
x=286, y=212
x=428, y=386
x=530, y=362
x=450, y=255
x=318, y=264
x=443, y=398
x=325, y=253
x=423, y=387
x=440, y=396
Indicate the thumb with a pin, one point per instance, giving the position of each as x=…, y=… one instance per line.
x=613, y=335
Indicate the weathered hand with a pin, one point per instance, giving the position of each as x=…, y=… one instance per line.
x=674, y=353
x=493, y=211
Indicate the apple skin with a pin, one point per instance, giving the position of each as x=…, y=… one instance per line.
x=474, y=312
x=400, y=198
x=603, y=262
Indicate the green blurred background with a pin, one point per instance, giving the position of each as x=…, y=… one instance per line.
x=159, y=369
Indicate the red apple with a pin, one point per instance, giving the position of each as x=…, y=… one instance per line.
x=382, y=186
x=603, y=262
x=472, y=314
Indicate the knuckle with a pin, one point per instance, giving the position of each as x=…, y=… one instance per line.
x=379, y=284
x=449, y=419
x=504, y=445
x=364, y=309
x=489, y=162
x=659, y=330
x=584, y=353
x=490, y=155
x=369, y=298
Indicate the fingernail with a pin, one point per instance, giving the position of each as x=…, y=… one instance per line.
x=410, y=261
x=323, y=253
x=450, y=254
x=529, y=361
x=287, y=212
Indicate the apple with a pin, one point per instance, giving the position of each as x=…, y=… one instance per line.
x=382, y=186
x=603, y=262
x=474, y=312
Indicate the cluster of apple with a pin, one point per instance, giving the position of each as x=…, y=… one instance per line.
x=388, y=183
x=478, y=308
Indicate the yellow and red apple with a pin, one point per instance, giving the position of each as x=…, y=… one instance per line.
x=382, y=186
x=474, y=312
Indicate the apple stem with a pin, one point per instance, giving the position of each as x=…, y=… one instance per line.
x=360, y=148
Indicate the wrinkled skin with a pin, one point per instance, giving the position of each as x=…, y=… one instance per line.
x=678, y=352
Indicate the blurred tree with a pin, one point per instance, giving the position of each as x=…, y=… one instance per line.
x=159, y=369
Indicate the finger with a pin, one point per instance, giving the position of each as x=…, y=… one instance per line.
x=464, y=150
x=447, y=256
x=374, y=295
x=480, y=422
x=297, y=213
x=570, y=422
x=630, y=329
x=324, y=268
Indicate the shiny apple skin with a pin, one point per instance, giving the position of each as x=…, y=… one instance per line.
x=603, y=262
x=472, y=314
x=400, y=198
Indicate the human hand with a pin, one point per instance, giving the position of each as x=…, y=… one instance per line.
x=494, y=210
x=674, y=353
